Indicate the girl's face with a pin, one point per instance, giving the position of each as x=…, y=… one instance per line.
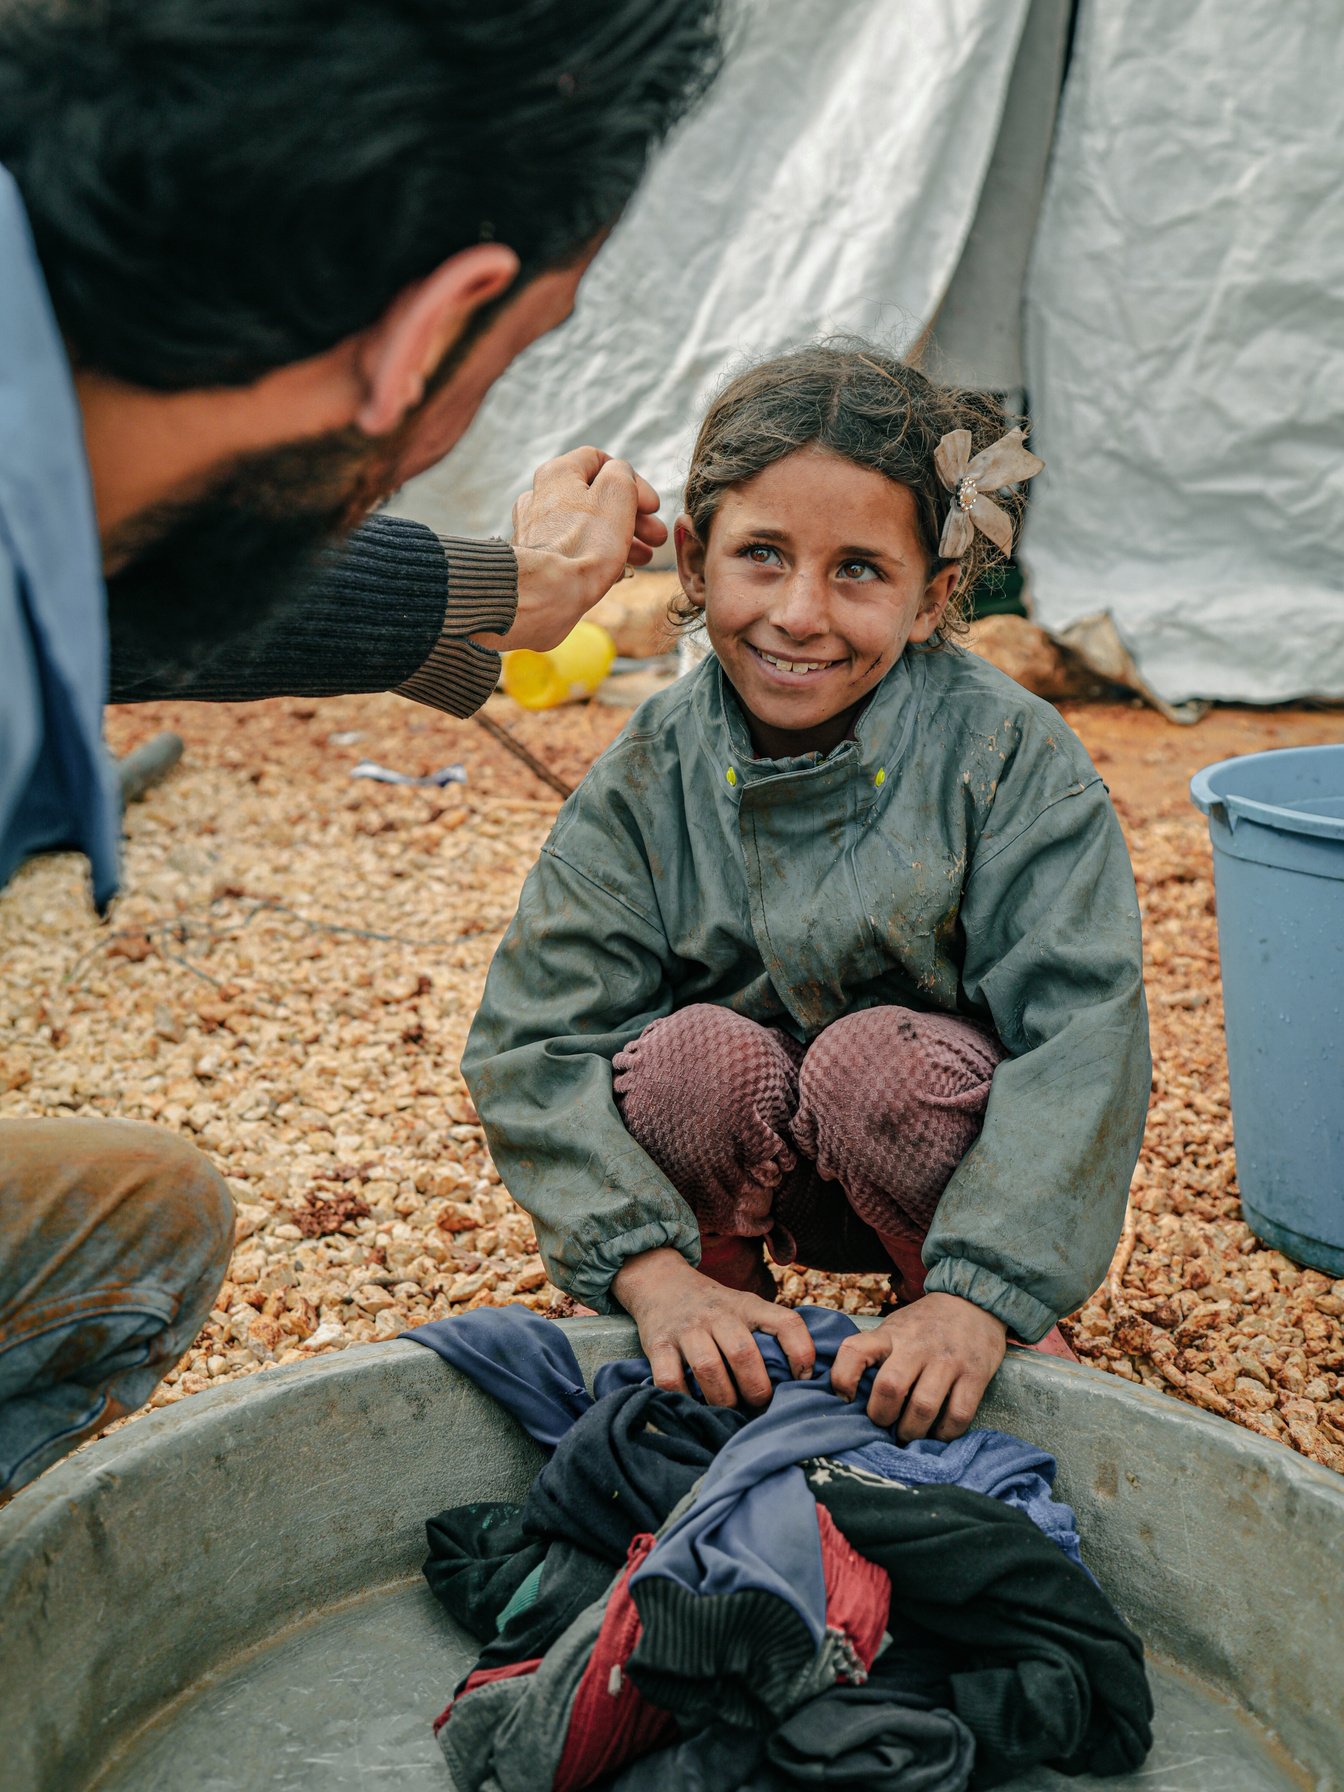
x=812, y=582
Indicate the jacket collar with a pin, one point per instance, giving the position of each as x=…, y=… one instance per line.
x=879, y=741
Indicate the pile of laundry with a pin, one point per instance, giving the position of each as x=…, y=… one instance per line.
x=700, y=1599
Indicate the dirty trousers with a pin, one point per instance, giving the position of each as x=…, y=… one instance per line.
x=834, y=1153
x=114, y=1239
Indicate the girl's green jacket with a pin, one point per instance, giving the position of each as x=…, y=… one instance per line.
x=960, y=853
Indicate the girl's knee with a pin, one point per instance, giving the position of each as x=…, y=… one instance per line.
x=709, y=1096
x=898, y=1054
x=705, y=1051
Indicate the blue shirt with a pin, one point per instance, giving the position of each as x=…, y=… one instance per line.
x=57, y=787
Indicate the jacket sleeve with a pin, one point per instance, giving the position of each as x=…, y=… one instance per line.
x=391, y=608
x=1028, y=1223
x=578, y=975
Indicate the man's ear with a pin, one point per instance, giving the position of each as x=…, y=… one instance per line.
x=937, y=595
x=397, y=354
x=690, y=560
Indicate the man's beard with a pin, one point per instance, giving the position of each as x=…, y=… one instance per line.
x=206, y=579
x=203, y=581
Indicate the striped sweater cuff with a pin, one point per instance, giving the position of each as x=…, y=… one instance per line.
x=458, y=675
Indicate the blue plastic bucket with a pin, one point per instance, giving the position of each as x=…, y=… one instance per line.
x=1277, y=822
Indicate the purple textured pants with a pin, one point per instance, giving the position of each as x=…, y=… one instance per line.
x=835, y=1154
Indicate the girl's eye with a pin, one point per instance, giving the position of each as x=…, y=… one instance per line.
x=760, y=553
x=857, y=569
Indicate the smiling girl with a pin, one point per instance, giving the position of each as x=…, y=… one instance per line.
x=835, y=951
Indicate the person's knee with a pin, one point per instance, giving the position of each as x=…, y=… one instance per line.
x=127, y=1237
x=182, y=1216
x=704, y=1052
x=902, y=1057
x=708, y=1095
x=203, y=1207
x=685, y=1041
x=872, y=1052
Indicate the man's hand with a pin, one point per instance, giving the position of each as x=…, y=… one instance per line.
x=586, y=518
x=938, y=1356
x=686, y=1321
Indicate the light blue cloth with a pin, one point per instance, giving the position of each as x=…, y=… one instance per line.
x=56, y=782
x=527, y=1364
x=1007, y=1469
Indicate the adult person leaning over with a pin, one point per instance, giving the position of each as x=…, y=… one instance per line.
x=260, y=260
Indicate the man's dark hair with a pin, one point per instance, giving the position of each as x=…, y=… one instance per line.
x=220, y=187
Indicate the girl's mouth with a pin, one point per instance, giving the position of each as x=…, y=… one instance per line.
x=796, y=670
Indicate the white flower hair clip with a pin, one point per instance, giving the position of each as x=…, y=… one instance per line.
x=1004, y=462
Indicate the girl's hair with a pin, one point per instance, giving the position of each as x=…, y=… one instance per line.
x=863, y=404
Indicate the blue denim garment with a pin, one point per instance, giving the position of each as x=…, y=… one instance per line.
x=114, y=1239
x=56, y=782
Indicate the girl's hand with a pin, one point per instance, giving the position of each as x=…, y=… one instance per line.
x=938, y=1356
x=686, y=1321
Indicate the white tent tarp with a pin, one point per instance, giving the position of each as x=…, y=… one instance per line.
x=828, y=184
x=1185, y=346
x=875, y=165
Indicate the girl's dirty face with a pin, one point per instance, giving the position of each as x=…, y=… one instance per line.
x=812, y=582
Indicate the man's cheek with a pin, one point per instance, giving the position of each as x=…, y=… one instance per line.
x=437, y=428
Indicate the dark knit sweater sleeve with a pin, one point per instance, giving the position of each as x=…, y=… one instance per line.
x=389, y=609
x=457, y=675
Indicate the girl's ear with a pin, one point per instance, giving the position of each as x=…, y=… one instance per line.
x=690, y=560
x=937, y=595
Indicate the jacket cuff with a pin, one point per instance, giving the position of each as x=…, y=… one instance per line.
x=1026, y=1317
x=590, y=1279
x=458, y=675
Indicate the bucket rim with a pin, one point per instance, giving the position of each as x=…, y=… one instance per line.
x=1230, y=808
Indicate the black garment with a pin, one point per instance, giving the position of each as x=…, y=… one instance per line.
x=479, y=1556
x=852, y=1739
x=391, y=608
x=722, y=1758
x=855, y=1736
x=620, y=1469
x=1046, y=1669
x=571, y=1580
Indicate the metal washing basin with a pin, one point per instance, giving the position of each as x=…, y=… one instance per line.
x=226, y=1595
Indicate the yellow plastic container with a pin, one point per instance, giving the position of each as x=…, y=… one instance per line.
x=569, y=672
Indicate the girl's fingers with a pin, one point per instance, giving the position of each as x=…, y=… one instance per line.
x=745, y=1364
x=924, y=1400
x=958, y=1410
x=703, y=1360
x=852, y=1360
x=665, y=1367
x=891, y=1387
x=790, y=1332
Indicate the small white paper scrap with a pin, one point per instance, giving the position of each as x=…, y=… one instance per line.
x=383, y=774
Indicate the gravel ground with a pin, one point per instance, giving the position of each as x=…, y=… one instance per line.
x=290, y=974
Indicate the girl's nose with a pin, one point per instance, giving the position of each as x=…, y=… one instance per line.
x=802, y=611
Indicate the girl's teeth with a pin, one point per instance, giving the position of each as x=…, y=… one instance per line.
x=793, y=665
